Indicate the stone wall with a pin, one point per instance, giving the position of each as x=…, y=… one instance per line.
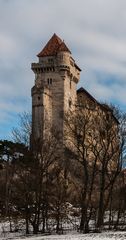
x=54, y=92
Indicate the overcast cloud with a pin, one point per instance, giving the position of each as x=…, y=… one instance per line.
x=94, y=30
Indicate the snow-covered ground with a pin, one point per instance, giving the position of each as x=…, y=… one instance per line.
x=92, y=236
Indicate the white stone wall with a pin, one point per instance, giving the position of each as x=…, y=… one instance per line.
x=56, y=78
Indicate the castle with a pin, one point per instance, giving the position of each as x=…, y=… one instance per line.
x=83, y=164
x=55, y=90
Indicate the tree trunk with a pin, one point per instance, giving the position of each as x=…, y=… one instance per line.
x=35, y=228
x=27, y=226
x=83, y=223
x=84, y=227
x=58, y=220
x=101, y=201
x=43, y=224
x=100, y=211
x=27, y=219
x=117, y=221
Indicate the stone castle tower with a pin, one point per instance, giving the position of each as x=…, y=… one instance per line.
x=54, y=92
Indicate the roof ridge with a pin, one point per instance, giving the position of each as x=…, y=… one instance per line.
x=81, y=89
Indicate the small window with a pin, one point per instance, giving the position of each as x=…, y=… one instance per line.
x=50, y=60
x=38, y=97
x=49, y=81
x=70, y=103
x=61, y=57
x=70, y=84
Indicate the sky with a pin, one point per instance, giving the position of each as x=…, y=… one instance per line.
x=94, y=31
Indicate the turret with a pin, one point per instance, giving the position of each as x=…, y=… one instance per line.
x=54, y=92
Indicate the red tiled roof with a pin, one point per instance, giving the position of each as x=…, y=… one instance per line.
x=63, y=47
x=54, y=45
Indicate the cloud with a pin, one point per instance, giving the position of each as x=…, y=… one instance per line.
x=94, y=30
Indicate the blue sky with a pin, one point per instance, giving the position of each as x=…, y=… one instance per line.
x=95, y=32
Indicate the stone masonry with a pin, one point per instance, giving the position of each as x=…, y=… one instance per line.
x=55, y=89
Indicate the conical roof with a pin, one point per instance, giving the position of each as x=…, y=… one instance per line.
x=53, y=46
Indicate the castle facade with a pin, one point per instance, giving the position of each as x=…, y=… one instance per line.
x=55, y=90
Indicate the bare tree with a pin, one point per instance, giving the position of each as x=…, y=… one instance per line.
x=92, y=133
x=81, y=136
x=32, y=185
x=22, y=133
x=109, y=161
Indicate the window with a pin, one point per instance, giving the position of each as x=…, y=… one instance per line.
x=38, y=97
x=61, y=56
x=70, y=103
x=49, y=81
x=70, y=84
x=50, y=60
